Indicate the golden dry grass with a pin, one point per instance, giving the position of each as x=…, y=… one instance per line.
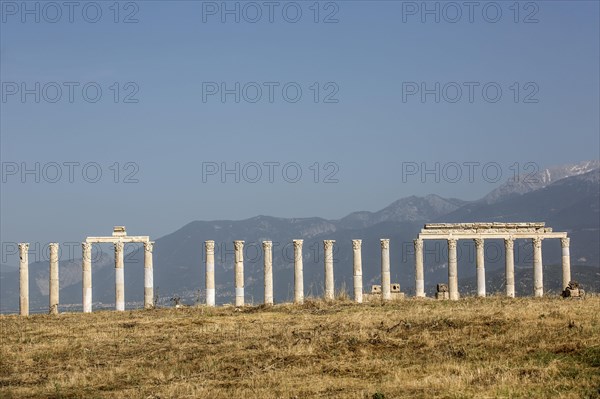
x=490, y=348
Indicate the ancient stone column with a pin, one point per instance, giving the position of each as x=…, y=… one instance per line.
x=119, y=277
x=386, y=293
x=358, y=283
x=298, y=274
x=148, y=275
x=53, y=283
x=479, y=248
x=268, y=263
x=419, y=274
x=329, y=282
x=452, y=270
x=509, y=244
x=209, y=247
x=538, y=280
x=86, y=266
x=239, y=272
x=566, y=262
x=24, y=279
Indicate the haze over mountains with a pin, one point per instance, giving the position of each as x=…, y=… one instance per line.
x=567, y=198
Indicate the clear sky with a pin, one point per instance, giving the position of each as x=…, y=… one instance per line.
x=168, y=121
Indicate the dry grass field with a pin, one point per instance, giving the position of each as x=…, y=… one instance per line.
x=481, y=348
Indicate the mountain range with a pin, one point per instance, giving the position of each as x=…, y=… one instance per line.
x=567, y=198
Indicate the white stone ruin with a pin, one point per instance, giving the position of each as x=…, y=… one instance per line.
x=451, y=232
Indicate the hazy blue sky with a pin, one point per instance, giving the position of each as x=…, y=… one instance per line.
x=160, y=120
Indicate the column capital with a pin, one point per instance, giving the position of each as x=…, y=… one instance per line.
x=23, y=246
x=537, y=242
x=298, y=244
x=509, y=244
x=267, y=245
x=565, y=242
x=356, y=244
x=328, y=244
x=478, y=242
x=118, y=247
x=385, y=243
x=452, y=243
x=86, y=246
x=53, y=245
x=209, y=246
x=148, y=246
x=418, y=243
x=238, y=244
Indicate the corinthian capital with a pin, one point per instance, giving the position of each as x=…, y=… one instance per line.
x=564, y=242
x=356, y=244
x=328, y=244
x=298, y=244
x=267, y=245
x=452, y=243
x=418, y=244
x=239, y=245
x=385, y=243
x=149, y=246
x=210, y=246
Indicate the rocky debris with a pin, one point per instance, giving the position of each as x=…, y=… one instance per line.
x=573, y=290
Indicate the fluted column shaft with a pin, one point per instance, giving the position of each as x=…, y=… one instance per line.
x=566, y=261
x=148, y=275
x=86, y=267
x=509, y=266
x=24, y=279
x=419, y=274
x=53, y=286
x=209, y=247
x=452, y=270
x=480, y=259
x=357, y=271
x=268, y=266
x=386, y=293
x=119, y=277
x=329, y=281
x=239, y=272
x=298, y=273
x=538, y=279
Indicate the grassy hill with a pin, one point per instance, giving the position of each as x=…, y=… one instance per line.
x=493, y=347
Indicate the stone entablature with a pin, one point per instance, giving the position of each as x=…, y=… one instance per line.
x=432, y=231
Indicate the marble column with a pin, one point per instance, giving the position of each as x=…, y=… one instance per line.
x=298, y=274
x=419, y=274
x=329, y=281
x=566, y=262
x=209, y=247
x=148, y=275
x=358, y=283
x=268, y=264
x=538, y=279
x=119, y=277
x=452, y=270
x=509, y=265
x=239, y=272
x=24, y=279
x=386, y=293
x=480, y=262
x=86, y=266
x=53, y=281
